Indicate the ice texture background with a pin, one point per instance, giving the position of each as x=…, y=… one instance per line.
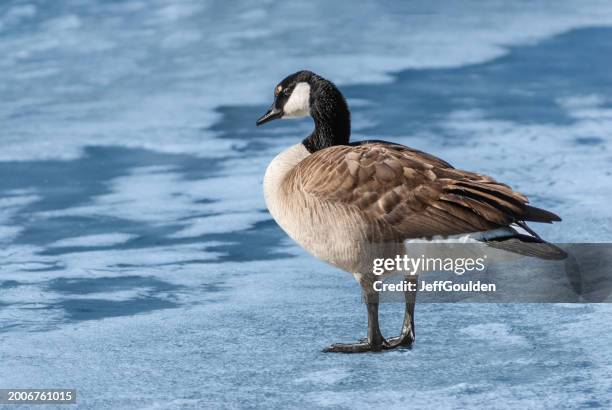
x=138, y=263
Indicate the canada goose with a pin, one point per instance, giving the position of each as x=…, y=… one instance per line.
x=348, y=203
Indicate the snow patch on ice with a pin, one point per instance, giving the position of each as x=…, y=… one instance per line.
x=108, y=239
x=496, y=333
x=327, y=376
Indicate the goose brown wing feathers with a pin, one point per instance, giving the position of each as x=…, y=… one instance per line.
x=408, y=193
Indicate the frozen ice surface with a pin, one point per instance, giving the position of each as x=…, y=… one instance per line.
x=139, y=264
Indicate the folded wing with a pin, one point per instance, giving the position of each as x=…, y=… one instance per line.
x=405, y=193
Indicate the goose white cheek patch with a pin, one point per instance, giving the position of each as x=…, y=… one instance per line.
x=298, y=104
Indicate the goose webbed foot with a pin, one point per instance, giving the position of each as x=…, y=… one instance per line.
x=375, y=342
x=406, y=337
x=361, y=346
x=400, y=341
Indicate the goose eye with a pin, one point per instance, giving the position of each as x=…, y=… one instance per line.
x=277, y=90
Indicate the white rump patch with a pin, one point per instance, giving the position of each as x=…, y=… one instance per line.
x=298, y=104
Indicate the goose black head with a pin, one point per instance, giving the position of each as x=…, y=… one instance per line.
x=292, y=98
x=306, y=93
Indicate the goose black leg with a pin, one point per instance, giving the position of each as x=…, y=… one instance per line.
x=407, y=335
x=375, y=341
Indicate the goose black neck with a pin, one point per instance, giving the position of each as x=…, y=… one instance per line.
x=331, y=117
